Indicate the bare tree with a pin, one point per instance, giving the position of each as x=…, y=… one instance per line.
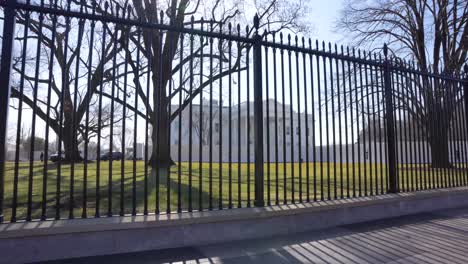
x=65, y=57
x=434, y=34
x=173, y=58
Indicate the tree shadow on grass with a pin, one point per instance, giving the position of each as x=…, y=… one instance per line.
x=128, y=198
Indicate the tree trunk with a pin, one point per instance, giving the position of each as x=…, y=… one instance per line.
x=161, y=149
x=70, y=146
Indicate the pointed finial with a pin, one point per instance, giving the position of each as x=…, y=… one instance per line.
x=256, y=22
x=129, y=10
x=385, y=50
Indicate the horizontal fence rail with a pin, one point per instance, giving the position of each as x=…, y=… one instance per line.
x=109, y=115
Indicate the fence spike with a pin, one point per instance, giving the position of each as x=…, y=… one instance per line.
x=161, y=17
x=117, y=10
x=129, y=9
x=256, y=22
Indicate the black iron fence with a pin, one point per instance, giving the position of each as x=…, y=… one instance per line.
x=108, y=114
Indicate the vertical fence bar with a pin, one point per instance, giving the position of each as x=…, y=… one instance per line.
x=298, y=131
x=306, y=122
x=393, y=183
x=135, y=129
x=291, y=117
x=350, y=86
x=230, y=118
x=258, y=116
x=332, y=99
x=267, y=124
x=465, y=95
x=84, y=213
x=312, y=99
x=210, y=153
x=35, y=88
x=47, y=128
x=239, y=124
x=192, y=37
x=20, y=116
x=248, y=119
x=220, y=129
x=345, y=102
x=283, y=114
x=201, y=143
x=98, y=150
x=320, y=121
x=327, y=125
x=275, y=91
x=5, y=74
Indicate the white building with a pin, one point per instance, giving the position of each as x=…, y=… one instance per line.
x=237, y=127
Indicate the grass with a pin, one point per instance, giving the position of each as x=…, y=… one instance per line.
x=332, y=180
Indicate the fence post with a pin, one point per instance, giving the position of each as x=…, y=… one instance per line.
x=258, y=115
x=390, y=124
x=465, y=92
x=5, y=75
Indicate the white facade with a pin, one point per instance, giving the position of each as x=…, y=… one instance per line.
x=241, y=125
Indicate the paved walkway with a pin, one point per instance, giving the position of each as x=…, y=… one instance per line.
x=439, y=237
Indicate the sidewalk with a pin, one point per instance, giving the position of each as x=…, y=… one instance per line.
x=438, y=237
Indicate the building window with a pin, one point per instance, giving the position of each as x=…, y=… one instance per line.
x=288, y=131
x=216, y=127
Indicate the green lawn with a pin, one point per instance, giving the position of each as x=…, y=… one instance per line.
x=340, y=177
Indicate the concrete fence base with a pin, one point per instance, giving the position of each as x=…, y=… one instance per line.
x=49, y=240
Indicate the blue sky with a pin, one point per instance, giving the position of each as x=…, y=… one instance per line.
x=323, y=17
